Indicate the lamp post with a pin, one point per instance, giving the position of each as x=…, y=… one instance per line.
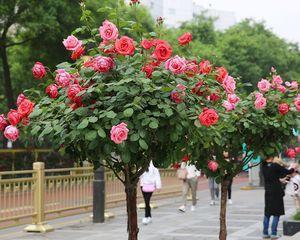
x=99, y=196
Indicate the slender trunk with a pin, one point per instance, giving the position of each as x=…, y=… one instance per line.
x=223, y=229
x=132, y=225
x=6, y=78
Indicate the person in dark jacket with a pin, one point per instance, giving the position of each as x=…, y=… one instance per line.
x=274, y=194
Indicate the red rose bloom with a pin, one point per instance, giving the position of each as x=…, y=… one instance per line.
x=146, y=44
x=208, y=117
x=291, y=153
x=25, y=108
x=185, y=158
x=162, y=51
x=205, y=67
x=124, y=46
x=20, y=98
x=185, y=38
x=77, y=53
x=297, y=150
x=214, y=97
x=283, y=108
x=52, y=91
x=148, y=69
x=197, y=88
x=3, y=122
x=221, y=74
x=38, y=70
x=73, y=91
x=14, y=117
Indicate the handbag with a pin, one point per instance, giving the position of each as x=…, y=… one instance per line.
x=148, y=187
x=182, y=173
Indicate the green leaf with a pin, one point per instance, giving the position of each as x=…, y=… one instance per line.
x=134, y=137
x=101, y=132
x=111, y=114
x=35, y=130
x=168, y=112
x=93, y=119
x=36, y=113
x=46, y=131
x=153, y=125
x=83, y=124
x=128, y=112
x=143, y=144
x=156, y=73
x=91, y=135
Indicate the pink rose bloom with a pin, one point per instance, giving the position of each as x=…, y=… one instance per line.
x=281, y=88
x=3, y=122
x=232, y=98
x=72, y=43
x=294, y=85
x=229, y=84
x=258, y=95
x=63, y=78
x=212, y=165
x=263, y=85
x=297, y=103
x=181, y=87
x=38, y=70
x=14, y=117
x=228, y=105
x=102, y=64
x=191, y=69
x=277, y=80
x=260, y=102
x=52, y=91
x=176, y=64
x=283, y=108
x=20, y=99
x=297, y=149
x=108, y=31
x=288, y=84
x=11, y=133
x=118, y=133
x=273, y=69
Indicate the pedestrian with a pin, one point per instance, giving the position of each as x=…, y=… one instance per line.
x=229, y=190
x=189, y=181
x=274, y=193
x=229, y=186
x=214, y=190
x=293, y=187
x=149, y=182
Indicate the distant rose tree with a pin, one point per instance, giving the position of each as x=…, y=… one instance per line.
x=123, y=102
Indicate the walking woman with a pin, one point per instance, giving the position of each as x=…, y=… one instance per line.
x=149, y=182
x=190, y=182
x=274, y=194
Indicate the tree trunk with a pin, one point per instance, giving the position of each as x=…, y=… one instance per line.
x=6, y=78
x=132, y=225
x=223, y=228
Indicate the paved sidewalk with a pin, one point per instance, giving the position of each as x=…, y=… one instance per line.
x=244, y=221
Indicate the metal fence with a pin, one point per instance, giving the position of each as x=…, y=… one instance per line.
x=41, y=194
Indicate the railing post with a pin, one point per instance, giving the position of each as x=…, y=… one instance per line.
x=39, y=204
x=99, y=196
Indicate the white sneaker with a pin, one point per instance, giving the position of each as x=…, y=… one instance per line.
x=193, y=208
x=145, y=221
x=182, y=208
x=149, y=219
x=229, y=201
x=212, y=202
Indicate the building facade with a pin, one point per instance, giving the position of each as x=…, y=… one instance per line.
x=176, y=12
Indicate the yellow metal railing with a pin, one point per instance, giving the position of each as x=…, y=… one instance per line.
x=41, y=194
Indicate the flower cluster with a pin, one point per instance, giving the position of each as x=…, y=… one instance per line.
x=20, y=116
x=278, y=88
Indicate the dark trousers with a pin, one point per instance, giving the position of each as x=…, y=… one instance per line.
x=229, y=188
x=147, y=197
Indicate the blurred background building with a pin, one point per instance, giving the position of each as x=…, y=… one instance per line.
x=176, y=12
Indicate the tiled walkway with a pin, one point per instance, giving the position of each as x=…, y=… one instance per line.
x=244, y=222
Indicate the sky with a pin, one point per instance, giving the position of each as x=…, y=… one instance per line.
x=281, y=16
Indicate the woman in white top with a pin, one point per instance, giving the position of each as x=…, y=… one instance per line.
x=293, y=187
x=191, y=182
x=149, y=182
